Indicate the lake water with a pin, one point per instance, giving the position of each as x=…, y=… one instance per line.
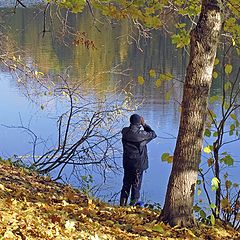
x=114, y=50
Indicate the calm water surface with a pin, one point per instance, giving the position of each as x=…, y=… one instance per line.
x=24, y=28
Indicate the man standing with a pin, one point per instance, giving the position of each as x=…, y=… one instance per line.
x=135, y=158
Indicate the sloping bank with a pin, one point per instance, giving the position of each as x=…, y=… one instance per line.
x=35, y=207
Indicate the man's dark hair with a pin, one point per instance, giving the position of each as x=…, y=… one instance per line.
x=135, y=119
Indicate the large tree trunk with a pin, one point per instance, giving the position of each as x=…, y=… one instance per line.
x=181, y=186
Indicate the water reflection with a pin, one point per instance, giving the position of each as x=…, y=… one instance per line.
x=100, y=69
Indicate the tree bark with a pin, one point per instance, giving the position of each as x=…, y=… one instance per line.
x=178, y=207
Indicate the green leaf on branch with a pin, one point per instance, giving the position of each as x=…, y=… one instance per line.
x=233, y=116
x=227, y=86
x=166, y=157
x=199, y=191
x=74, y=6
x=237, y=123
x=150, y=11
x=212, y=219
x=225, y=175
x=235, y=185
x=215, y=75
x=196, y=208
x=207, y=133
x=213, y=99
x=228, y=160
x=198, y=182
x=224, y=153
x=182, y=11
x=226, y=105
x=212, y=206
x=232, y=127
x=215, y=134
x=181, y=39
x=202, y=214
x=180, y=25
x=152, y=21
x=228, y=184
x=216, y=62
x=211, y=113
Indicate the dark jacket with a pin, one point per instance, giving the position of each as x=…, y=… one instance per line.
x=135, y=146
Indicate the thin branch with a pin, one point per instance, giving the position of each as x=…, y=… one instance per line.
x=20, y=2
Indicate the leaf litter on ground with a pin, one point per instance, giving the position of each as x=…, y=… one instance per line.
x=35, y=207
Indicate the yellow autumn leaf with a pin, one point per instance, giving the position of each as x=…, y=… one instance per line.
x=168, y=76
x=228, y=68
x=95, y=237
x=215, y=183
x=49, y=219
x=140, y=80
x=152, y=73
x=190, y=233
x=168, y=96
x=207, y=149
x=70, y=225
x=158, y=83
x=158, y=228
x=65, y=203
x=9, y=235
x=233, y=42
x=2, y=187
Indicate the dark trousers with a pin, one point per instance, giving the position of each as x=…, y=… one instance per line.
x=132, y=181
